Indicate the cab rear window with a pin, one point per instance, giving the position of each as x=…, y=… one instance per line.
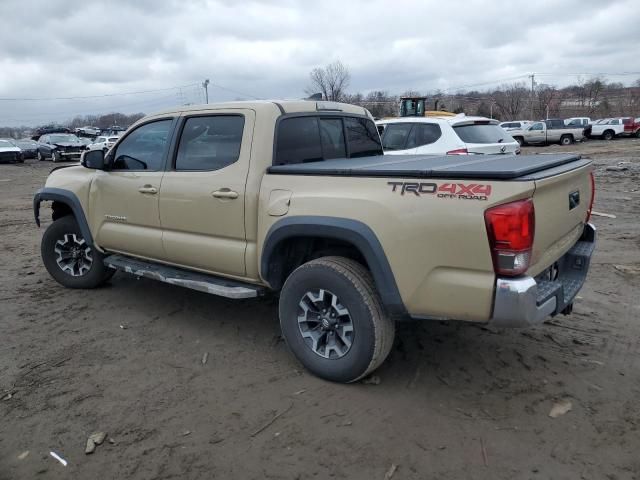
x=315, y=138
x=482, y=133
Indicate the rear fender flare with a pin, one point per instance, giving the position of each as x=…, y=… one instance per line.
x=352, y=231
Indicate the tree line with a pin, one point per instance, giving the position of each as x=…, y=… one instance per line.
x=594, y=97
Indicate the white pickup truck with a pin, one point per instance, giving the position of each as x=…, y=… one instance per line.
x=608, y=129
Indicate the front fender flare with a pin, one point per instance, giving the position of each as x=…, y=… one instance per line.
x=69, y=198
x=352, y=231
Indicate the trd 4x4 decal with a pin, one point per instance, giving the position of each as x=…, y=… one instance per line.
x=464, y=191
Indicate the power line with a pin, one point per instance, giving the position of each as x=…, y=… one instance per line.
x=234, y=91
x=97, y=96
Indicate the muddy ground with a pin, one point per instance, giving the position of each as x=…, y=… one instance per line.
x=455, y=400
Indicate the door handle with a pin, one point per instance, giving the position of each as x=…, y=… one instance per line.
x=225, y=193
x=150, y=189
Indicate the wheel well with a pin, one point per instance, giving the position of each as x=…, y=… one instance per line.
x=292, y=252
x=60, y=209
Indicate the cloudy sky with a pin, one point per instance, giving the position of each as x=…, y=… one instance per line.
x=265, y=49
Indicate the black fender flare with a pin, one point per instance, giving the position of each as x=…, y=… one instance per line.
x=352, y=231
x=71, y=200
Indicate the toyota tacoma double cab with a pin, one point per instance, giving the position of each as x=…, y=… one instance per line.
x=297, y=198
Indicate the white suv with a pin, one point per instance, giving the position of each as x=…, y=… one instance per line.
x=102, y=143
x=459, y=135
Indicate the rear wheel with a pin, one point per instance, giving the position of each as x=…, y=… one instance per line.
x=608, y=135
x=69, y=259
x=333, y=320
x=566, y=140
x=39, y=156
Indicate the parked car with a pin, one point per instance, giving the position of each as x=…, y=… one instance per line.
x=102, y=143
x=458, y=135
x=59, y=147
x=631, y=127
x=29, y=147
x=9, y=152
x=608, y=129
x=90, y=131
x=515, y=125
x=548, y=131
x=291, y=197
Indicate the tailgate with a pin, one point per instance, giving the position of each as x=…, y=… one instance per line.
x=561, y=203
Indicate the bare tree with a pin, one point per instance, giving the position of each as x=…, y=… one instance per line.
x=510, y=100
x=331, y=80
x=545, y=96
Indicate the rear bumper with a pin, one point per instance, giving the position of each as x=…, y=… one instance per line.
x=527, y=301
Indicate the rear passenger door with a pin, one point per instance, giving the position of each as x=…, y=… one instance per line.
x=202, y=200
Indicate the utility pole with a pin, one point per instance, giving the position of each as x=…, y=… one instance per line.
x=533, y=85
x=205, y=85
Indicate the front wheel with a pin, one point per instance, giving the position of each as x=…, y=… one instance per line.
x=69, y=259
x=55, y=157
x=520, y=140
x=333, y=320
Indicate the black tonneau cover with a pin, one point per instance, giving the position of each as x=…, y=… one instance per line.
x=500, y=167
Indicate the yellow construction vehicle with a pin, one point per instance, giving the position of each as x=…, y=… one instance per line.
x=416, y=107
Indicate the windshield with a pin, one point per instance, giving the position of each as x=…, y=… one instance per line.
x=64, y=138
x=482, y=134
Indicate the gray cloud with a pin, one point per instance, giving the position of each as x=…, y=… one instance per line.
x=56, y=48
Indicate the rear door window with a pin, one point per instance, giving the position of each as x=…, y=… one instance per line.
x=483, y=133
x=210, y=143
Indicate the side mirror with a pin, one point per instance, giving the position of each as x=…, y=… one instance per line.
x=93, y=159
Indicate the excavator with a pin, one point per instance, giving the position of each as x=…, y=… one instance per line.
x=416, y=107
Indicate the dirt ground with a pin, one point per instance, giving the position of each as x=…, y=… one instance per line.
x=455, y=400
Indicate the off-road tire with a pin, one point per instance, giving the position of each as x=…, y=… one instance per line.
x=97, y=274
x=608, y=135
x=373, y=330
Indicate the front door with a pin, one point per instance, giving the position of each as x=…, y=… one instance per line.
x=202, y=202
x=124, y=199
x=536, y=133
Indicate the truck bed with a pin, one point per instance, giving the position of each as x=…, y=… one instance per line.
x=497, y=167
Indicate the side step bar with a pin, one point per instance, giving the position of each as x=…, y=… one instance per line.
x=184, y=278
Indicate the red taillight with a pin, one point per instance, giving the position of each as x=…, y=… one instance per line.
x=510, y=228
x=459, y=151
x=593, y=196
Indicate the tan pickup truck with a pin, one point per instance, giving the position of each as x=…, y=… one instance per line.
x=243, y=199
